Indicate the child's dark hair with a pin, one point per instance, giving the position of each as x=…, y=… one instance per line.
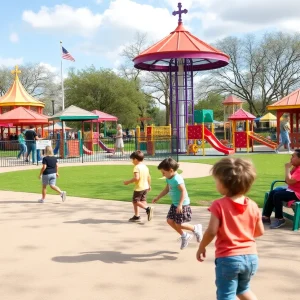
x=235, y=174
x=297, y=151
x=168, y=164
x=138, y=155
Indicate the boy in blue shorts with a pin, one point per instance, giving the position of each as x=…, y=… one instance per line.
x=180, y=212
x=236, y=221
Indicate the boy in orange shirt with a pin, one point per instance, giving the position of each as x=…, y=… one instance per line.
x=235, y=221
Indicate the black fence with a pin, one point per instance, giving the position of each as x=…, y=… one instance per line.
x=86, y=151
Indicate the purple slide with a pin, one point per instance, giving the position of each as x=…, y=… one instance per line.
x=104, y=147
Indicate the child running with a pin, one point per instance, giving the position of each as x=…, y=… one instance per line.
x=236, y=221
x=48, y=174
x=142, y=184
x=180, y=211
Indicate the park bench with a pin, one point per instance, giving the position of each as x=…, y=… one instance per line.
x=291, y=209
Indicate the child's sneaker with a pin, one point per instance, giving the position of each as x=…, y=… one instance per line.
x=198, y=232
x=41, y=201
x=63, y=196
x=135, y=219
x=149, y=211
x=185, y=240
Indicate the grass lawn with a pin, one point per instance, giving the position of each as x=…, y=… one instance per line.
x=106, y=182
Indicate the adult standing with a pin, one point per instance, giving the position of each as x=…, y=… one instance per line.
x=285, y=133
x=119, y=144
x=31, y=137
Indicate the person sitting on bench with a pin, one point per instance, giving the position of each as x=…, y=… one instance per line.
x=284, y=194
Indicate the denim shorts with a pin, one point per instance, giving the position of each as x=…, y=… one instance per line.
x=233, y=275
x=49, y=179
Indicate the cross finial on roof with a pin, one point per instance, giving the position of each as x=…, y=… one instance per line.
x=16, y=71
x=179, y=12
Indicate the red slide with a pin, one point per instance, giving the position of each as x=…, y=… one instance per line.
x=86, y=150
x=105, y=148
x=211, y=138
x=262, y=140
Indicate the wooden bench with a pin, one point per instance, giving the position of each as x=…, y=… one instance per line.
x=294, y=214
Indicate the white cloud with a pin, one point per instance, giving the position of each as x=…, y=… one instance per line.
x=129, y=15
x=14, y=38
x=64, y=18
x=10, y=62
x=48, y=67
x=99, y=1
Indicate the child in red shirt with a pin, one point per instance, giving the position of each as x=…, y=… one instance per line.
x=235, y=221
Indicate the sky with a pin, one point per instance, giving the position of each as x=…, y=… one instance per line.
x=96, y=31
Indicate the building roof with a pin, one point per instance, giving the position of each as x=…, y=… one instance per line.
x=74, y=113
x=180, y=43
x=288, y=102
x=23, y=116
x=17, y=95
x=241, y=115
x=231, y=100
x=103, y=117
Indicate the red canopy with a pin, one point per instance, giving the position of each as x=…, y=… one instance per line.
x=23, y=116
x=103, y=117
x=241, y=115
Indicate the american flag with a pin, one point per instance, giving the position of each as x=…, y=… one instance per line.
x=66, y=55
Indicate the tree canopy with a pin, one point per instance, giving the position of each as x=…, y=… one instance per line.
x=105, y=91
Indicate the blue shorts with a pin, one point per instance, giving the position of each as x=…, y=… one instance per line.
x=49, y=179
x=233, y=275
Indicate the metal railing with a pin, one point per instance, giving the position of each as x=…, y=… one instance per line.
x=83, y=151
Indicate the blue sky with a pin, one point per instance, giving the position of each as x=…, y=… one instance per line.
x=95, y=31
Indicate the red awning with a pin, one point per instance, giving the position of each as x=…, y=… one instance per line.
x=103, y=117
x=23, y=116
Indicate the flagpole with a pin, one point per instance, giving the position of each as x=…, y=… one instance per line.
x=62, y=79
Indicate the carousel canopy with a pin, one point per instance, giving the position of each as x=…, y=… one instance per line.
x=74, y=113
x=17, y=95
x=180, y=44
x=23, y=116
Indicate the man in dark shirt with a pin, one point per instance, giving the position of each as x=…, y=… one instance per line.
x=31, y=137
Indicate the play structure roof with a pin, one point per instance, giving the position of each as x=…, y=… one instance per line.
x=241, y=115
x=103, y=117
x=74, y=113
x=57, y=126
x=268, y=117
x=288, y=102
x=231, y=100
x=17, y=95
x=180, y=43
x=23, y=116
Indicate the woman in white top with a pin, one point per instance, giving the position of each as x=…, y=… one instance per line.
x=119, y=144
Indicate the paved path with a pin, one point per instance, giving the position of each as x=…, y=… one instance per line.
x=86, y=249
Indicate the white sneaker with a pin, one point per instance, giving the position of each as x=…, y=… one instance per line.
x=63, y=196
x=291, y=152
x=185, y=240
x=41, y=201
x=198, y=232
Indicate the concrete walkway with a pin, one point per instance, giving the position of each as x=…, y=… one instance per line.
x=86, y=249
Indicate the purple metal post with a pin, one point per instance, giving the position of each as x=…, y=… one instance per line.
x=179, y=12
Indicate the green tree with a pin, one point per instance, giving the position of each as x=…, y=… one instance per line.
x=105, y=91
